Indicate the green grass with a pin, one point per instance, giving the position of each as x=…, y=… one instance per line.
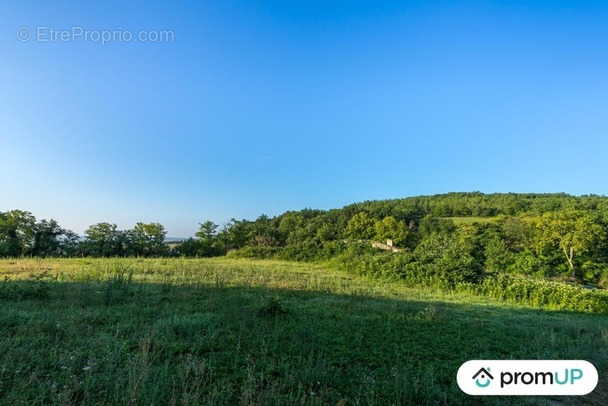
x=221, y=331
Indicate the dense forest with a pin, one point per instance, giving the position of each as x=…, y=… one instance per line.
x=454, y=237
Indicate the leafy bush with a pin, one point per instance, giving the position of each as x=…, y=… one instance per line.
x=362, y=259
x=527, y=263
x=555, y=295
x=443, y=263
x=312, y=249
x=603, y=279
x=306, y=250
x=447, y=259
x=592, y=272
x=439, y=261
x=497, y=255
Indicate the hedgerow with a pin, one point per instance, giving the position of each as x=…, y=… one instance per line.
x=455, y=271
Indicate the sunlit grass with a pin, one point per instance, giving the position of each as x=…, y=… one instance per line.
x=227, y=331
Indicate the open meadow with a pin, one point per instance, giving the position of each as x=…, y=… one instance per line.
x=233, y=331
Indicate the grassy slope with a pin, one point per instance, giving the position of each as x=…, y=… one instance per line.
x=265, y=332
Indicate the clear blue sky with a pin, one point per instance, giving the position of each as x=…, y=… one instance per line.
x=266, y=106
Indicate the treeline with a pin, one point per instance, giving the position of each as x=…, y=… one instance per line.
x=546, y=235
x=22, y=235
x=453, y=237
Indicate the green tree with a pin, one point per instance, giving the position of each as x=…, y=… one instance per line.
x=518, y=232
x=17, y=233
x=9, y=240
x=207, y=230
x=360, y=227
x=445, y=256
x=188, y=247
x=326, y=232
x=289, y=224
x=235, y=234
x=497, y=255
x=148, y=239
x=70, y=244
x=265, y=232
x=104, y=240
x=430, y=225
x=209, y=242
x=389, y=228
x=47, y=238
x=574, y=232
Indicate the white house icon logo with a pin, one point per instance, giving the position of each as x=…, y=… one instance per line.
x=484, y=374
x=527, y=377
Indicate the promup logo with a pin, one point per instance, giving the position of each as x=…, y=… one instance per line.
x=485, y=374
x=571, y=377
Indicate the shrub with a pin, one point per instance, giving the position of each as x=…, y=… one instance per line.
x=555, y=295
x=526, y=263
x=592, y=272
x=498, y=257
x=306, y=250
x=447, y=259
x=312, y=249
x=603, y=279
x=445, y=265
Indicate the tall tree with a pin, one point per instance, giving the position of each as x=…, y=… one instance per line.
x=389, y=228
x=47, y=238
x=17, y=233
x=265, y=232
x=70, y=244
x=207, y=230
x=360, y=227
x=574, y=232
x=9, y=241
x=104, y=240
x=148, y=239
x=236, y=234
x=208, y=241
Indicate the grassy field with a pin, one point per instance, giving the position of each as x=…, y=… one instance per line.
x=221, y=331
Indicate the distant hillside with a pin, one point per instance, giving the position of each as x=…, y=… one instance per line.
x=475, y=204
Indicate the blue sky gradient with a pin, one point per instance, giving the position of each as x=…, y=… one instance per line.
x=266, y=106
